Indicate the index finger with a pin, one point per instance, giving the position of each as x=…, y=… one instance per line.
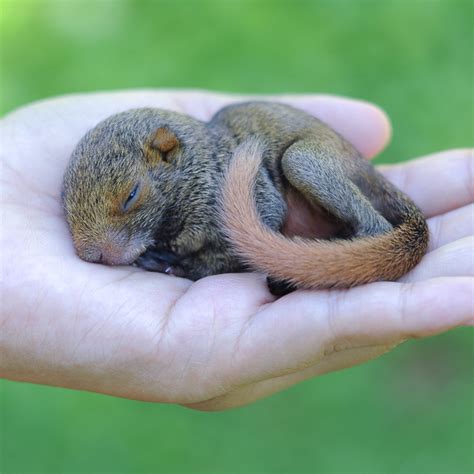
x=438, y=183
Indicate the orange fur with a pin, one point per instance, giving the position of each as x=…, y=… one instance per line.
x=311, y=263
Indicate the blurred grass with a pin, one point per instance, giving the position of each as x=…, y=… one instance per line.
x=408, y=412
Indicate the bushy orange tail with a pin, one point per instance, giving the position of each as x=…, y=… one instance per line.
x=313, y=263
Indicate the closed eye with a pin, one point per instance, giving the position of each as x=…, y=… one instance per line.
x=132, y=198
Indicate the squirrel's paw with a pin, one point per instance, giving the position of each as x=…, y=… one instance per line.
x=160, y=261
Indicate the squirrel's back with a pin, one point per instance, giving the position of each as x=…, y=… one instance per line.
x=385, y=255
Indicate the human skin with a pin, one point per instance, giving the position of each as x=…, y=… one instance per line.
x=223, y=341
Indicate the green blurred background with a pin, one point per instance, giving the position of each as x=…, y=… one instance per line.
x=407, y=412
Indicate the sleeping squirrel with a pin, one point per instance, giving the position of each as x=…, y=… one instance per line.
x=172, y=194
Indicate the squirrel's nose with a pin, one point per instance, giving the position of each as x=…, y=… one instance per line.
x=111, y=255
x=109, y=250
x=112, y=258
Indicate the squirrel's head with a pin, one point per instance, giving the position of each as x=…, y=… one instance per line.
x=121, y=177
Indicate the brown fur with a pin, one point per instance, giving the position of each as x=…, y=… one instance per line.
x=312, y=263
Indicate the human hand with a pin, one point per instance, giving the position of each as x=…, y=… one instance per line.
x=223, y=341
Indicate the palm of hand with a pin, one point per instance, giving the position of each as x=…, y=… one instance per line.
x=224, y=340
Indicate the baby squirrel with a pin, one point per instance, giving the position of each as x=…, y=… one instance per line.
x=176, y=195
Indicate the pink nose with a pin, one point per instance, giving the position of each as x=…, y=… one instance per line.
x=109, y=253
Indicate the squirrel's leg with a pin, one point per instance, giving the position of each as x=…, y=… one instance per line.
x=325, y=179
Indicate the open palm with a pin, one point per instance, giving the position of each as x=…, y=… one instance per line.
x=222, y=341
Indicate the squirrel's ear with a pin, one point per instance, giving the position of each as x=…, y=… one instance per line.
x=161, y=145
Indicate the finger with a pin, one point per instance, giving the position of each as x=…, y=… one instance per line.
x=297, y=331
x=250, y=393
x=437, y=183
x=451, y=226
x=453, y=259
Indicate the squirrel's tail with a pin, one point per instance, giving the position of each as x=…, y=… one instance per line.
x=315, y=263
